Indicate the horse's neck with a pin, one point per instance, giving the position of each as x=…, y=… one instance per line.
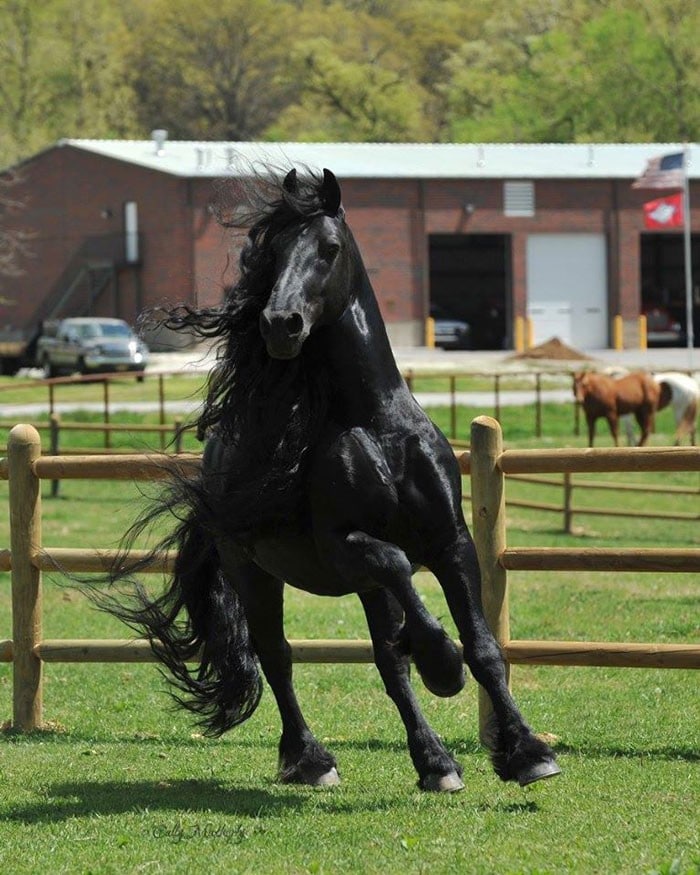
x=366, y=379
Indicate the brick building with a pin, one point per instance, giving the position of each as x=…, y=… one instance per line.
x=484, y=233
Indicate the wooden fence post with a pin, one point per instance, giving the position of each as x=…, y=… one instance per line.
x=177, y=437
x=568, y=510
x=161, y=408
x=23, y=448
x=105, y=394
x=55, y=438
x=489, y=529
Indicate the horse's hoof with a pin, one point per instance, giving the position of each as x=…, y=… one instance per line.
x=330, y=778
x=538, y=772
x=449, y=783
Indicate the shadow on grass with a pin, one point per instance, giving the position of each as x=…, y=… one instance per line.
x=95, y=799
x=107, y=798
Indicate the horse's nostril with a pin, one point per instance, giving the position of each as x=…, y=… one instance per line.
x=294, y=323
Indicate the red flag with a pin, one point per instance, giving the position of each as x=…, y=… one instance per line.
x=664, y=212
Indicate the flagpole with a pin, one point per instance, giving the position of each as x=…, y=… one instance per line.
x=687, y=251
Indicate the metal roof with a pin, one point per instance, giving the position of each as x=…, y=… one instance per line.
x=393, y=160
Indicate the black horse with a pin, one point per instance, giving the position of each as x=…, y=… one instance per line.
x=320, y=470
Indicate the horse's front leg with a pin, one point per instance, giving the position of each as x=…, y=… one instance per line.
x=437, y=770
x=383, y=577
x=517, y=754
x=590, y=422
x=302, y=759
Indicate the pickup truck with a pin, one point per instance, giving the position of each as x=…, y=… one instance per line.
x=89, y=345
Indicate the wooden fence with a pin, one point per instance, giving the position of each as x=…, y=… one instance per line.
x=531, y=383
x=487, y=463
x=568, y=487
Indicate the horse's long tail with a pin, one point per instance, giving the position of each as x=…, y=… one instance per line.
x=199, y=616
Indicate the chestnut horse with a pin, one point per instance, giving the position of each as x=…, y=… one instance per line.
x=611, y=398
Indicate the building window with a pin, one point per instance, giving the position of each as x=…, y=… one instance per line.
x=519, y=198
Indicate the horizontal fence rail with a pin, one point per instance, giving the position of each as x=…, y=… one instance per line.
x=486, y=462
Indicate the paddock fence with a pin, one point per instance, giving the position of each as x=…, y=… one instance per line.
x=487, y=463
x=567, y=487
x=532, y=384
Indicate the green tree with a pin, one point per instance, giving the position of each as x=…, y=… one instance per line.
x=24, y=37
x=373, y=70
x=623, y=72
x=215, y=70
x=91, y=92
x=63, y=74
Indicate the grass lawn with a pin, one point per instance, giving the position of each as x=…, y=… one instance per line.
x=120, y=782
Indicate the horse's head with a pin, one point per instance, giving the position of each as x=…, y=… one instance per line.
x=311, y=275
x=581, y=380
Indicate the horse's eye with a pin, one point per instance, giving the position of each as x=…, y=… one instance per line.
x=328, y=251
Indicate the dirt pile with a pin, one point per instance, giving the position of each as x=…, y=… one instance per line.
x=554, y=349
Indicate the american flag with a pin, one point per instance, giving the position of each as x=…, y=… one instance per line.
x=666, y=171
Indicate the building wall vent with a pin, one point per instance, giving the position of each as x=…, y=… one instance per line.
x=519, y=198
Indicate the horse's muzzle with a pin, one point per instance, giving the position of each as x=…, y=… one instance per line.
x=283, y=332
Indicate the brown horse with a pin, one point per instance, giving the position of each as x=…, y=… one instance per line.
x=609, y=397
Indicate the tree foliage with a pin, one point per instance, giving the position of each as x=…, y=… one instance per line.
x=395, y=70
x=211, y=71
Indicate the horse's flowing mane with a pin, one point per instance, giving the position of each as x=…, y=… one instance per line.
x=267, y=411
x=260, y=417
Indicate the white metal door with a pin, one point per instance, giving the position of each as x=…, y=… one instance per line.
x=567, y=289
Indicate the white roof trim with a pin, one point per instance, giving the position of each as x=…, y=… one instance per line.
x=394, y=160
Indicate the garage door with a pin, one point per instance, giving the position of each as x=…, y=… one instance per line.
x=567, y=289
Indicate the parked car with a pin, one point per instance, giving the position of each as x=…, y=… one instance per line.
x=450, y=333
x=89, y=345
x=663, y=329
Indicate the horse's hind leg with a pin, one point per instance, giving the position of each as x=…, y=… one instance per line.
x=613, y=424
x=517, y=754
x=645, y=420
x=302, y=759
x=436, y=769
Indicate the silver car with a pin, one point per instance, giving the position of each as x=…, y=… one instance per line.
x=450, y=333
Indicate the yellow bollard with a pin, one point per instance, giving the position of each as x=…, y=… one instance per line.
x=529, y=333
x=617, y=332
x=519, y=334
x=642, y=332
x=430, y=332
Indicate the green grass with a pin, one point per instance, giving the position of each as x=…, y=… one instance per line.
x=119, y=782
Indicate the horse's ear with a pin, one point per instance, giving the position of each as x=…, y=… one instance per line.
x=330, y=193
x=290, y=181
